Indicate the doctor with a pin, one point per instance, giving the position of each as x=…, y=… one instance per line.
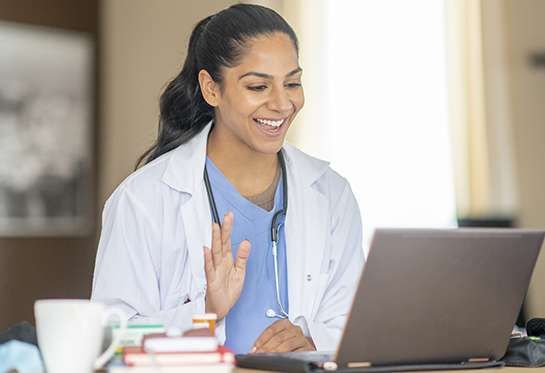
x=281, y=270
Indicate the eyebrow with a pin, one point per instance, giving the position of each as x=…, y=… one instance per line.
x=268, y=76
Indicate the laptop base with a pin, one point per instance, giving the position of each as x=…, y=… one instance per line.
x=286, y=364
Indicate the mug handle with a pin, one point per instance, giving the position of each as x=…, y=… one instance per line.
x=116, y=342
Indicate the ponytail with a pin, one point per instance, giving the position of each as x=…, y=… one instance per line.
x=183, y=111
x=217, y=42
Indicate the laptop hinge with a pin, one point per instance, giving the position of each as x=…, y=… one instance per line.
x=477, y=360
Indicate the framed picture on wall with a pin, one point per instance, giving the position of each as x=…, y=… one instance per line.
x=46, y=103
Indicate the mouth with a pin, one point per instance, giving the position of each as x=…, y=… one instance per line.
x=270, y=125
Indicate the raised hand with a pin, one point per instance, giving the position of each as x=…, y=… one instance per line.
x=282, y=336
x=224, y=276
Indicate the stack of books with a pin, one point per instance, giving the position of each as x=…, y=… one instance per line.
x=134, y=334
x=160, y=353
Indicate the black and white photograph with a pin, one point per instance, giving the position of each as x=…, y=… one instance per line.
x=45, y=130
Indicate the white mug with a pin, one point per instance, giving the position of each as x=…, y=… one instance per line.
x=71, y=332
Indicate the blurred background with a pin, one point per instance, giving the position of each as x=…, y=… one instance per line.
x=433, y=110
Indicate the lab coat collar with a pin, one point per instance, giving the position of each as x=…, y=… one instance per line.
x=184, y=172
x=308, y=168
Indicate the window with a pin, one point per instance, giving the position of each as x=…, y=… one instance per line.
x=379, y=107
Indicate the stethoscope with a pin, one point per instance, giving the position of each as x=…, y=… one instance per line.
x=274, y=228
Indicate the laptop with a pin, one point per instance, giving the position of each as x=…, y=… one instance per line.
x=428, y=299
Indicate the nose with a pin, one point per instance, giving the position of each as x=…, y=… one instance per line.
x=280, y=101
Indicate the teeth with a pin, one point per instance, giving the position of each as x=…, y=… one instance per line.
x=271, y=122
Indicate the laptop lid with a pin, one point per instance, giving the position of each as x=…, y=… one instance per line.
x=431, y=296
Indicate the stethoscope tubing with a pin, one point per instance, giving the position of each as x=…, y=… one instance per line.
x=274, y=228
x=279, y=213
x=211, y=197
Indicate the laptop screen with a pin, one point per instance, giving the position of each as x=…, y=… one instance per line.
x=439, y=296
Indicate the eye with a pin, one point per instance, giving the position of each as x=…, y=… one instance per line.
x=258, y=88
x=293, y=85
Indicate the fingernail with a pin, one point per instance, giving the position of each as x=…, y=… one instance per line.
x=253, y=349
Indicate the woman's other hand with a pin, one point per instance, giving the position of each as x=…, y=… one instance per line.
x=224, y=276
x=283, y=336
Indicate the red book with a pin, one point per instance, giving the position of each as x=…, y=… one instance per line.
x=136, y=356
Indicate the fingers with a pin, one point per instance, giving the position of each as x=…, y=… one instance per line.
x=209, y=266
x=226, y=226
x=221, y=248
x=224, y=276
x=242, y=255
x=221, y=239
x=217, y=255
x=282, y=336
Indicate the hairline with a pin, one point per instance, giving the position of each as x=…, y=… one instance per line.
x=248, y=43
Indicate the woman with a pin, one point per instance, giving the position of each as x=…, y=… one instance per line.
x=225, y=116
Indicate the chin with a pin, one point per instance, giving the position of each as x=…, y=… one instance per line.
x=270, y=149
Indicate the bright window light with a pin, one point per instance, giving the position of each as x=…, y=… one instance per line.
x=386, y=110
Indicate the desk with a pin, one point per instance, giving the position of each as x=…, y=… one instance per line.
x=502, y=370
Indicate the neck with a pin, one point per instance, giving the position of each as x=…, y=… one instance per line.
x=250, y=172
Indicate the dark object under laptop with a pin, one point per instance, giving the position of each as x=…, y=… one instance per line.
x=529, y=351
x=428, y=299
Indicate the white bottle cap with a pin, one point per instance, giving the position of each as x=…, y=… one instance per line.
x=205, y=316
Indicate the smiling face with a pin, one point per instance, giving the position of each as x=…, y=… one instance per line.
x=257, y=99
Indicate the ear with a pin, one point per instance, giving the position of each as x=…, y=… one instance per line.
x=209, y=88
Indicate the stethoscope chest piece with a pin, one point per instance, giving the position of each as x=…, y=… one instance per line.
x=271, y=313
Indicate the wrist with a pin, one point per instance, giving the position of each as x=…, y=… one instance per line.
x=208, y=308
x=312, y=346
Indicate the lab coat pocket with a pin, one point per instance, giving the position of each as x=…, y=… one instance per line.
x=183, y=299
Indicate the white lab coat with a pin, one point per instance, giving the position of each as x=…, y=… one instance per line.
x=150, y=259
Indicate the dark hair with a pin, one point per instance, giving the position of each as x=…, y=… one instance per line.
x=217, y=42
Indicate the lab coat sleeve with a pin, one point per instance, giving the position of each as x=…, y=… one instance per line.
x=345, y=265
x=128, y=265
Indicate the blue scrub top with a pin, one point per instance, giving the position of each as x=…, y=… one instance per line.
x=247, y=319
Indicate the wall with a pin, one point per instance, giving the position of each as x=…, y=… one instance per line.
x=144, y=46
x=34, y=268
x=525, y=35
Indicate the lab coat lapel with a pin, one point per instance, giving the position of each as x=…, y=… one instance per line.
x=198, y=223
x=185, y=174
x=306, y=223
